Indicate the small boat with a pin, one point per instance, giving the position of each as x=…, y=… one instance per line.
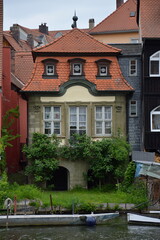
x=142, y=220
x=56, y=219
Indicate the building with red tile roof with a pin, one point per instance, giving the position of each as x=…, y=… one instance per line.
x=149, y=18
x=76, y=87
x=120, y=26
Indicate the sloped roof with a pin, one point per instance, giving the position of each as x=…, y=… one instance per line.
x=23, y=65
x=77, y=41
x=149, y=18
x=38, y=84
x=120, y=20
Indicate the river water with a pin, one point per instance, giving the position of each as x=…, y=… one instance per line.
x=117, y=230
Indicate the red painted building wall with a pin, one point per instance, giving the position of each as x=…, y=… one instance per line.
x=11, y=99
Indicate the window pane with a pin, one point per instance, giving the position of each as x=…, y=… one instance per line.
x=103, y=70
x=98, y=127
x=77, y=69
x=57, y=127
x=56, y=114
x=47, y=113
x=107, y=127
x=156, y=121
x=133, y=67
x=107, y=112
x=98, y=113
x=47, y=129
x=50, y=69
x=155, y=67
x=133, y=108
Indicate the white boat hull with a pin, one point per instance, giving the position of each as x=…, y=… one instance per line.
x=55, y=220
x=142, y=220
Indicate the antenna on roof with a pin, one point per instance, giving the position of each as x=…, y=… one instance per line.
x=75, y=18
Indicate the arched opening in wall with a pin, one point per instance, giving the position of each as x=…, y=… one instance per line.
x=60, y=180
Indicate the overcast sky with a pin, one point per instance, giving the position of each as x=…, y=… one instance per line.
x=56, y=13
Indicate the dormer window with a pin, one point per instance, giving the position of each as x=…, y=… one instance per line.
x=76, y=68
x=50, y=68
x=103, y=68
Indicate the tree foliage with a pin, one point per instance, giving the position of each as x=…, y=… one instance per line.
x=7, y=134
x=108, y=156
x=43, y=157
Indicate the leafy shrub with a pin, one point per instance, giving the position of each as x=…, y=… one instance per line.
x=4, y=186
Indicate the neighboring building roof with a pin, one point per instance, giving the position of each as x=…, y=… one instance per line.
x=77, y=41
x=23, y=66
x=129, y=49
x=21, y=45
x=121, y=20
x=81, y=44
x=149, y=18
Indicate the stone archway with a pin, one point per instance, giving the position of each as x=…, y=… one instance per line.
x=60, y=180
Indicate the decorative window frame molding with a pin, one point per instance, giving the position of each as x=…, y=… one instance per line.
x=133, y=108
x=73, y=62
x=133, y=67
x=50, y=62
x=154, y=59
x=101, y=63
x=154, y=112
x=103, y=120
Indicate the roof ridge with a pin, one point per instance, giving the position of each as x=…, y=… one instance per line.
x=82, y=32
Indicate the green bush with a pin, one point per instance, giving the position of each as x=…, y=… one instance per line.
x=4, y=186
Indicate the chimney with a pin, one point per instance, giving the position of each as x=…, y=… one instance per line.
x=91, y=23
x=30, y=40
x=119, y=3
x=15, y=32
x=43, y=28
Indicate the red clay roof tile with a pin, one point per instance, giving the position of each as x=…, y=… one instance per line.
x=119, y=20
x=77, y=41
x=149, y=18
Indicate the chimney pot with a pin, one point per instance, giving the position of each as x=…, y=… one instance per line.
x=43, y=28
x=91, y=23
x=119, y=3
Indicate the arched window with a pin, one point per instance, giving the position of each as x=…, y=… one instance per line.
x=155, y=64
x=155, y=119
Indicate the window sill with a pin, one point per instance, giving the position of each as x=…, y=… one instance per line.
x=103, y=77
x=77, y=77
x=45, y=76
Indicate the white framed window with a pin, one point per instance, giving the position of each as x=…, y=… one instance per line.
x=50, y=69
x=155, y=64
x=133, y=108
x=134, y=40
x=155, y=119
x=77, y=69
x=52, y=120
x=133, y=67
x=103, y=70
x=103, y=120
x=77, y=120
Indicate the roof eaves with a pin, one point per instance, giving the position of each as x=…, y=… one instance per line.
x=115, y=31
